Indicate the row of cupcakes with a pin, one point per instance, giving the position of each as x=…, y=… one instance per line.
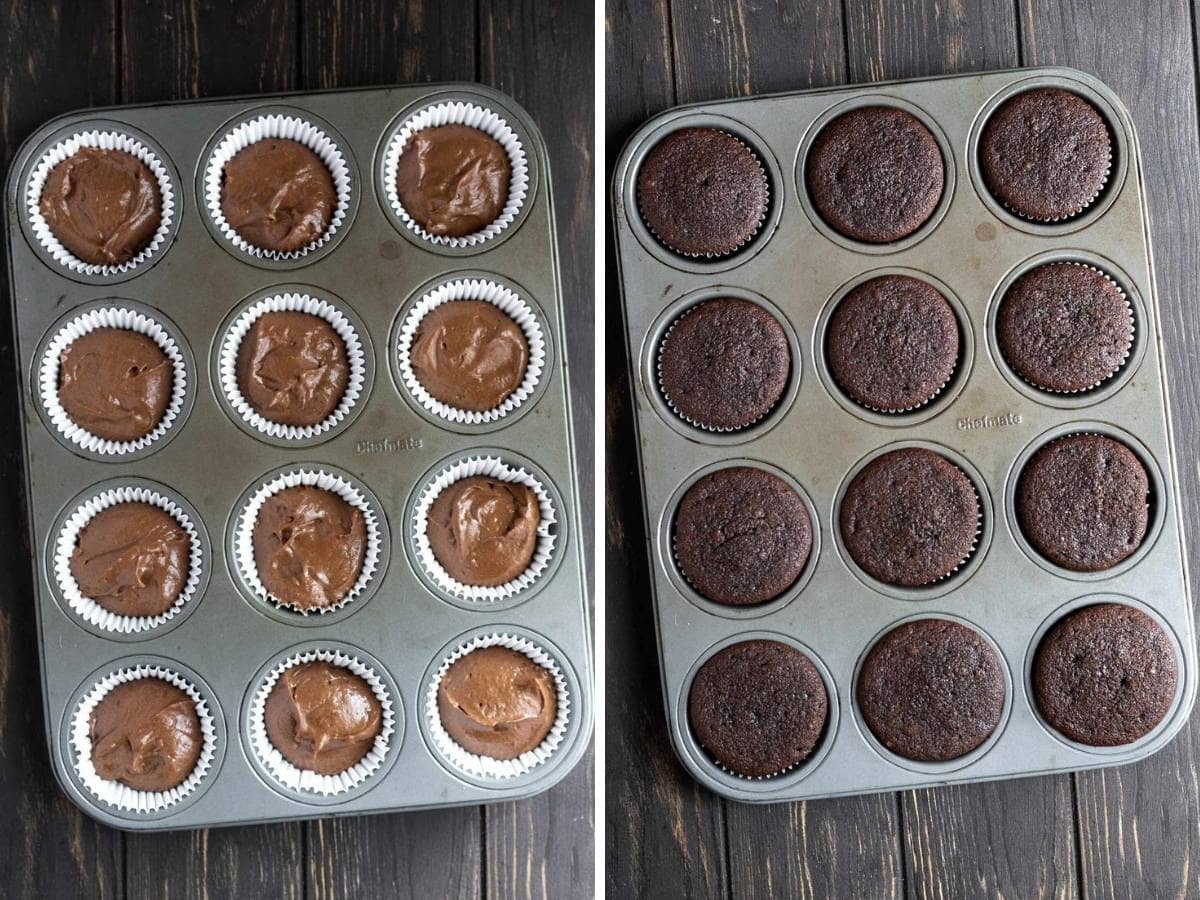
x=933, y=692
x=276, y=187
x=292, y=366
x=127, y=559
x=893, y=343
x=321, y=721
x=877, y=174
x=911, y=517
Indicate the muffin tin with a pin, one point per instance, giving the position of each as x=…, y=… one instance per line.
x=225, y=640
x=986, y=421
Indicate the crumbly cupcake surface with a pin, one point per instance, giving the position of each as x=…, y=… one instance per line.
x=102, y=205
x=725, y=363
x=1045, y=154
x=1064, y=327
x=892, y=343
x=910, y=517
x=702, y=192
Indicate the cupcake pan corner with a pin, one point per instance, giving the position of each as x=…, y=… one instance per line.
x=983, y=421
x=196, y=284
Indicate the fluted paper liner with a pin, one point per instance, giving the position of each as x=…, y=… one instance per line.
x=85, y=323
x=491, y=124
x=87, y=608
x=104, y=140
x=485, y=766
x=488, y=467
x=1128, y=347
x=295, y=778
x=291, y=302
x=504, y=299
x=244, y=534
x=277, y=127
x=114, y=793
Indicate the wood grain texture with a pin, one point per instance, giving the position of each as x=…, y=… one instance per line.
x=1138, y=824
x=665, y=836
x=47, y=846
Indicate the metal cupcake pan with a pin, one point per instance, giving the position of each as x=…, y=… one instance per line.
x=225, y=638
x=986, y=420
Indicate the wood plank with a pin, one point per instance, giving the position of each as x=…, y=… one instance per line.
x=543, y=847
x=664, y=835
x=1140, y=835
x=348, y=45
x=969, y=840
x=52, y=59
x=173, y=51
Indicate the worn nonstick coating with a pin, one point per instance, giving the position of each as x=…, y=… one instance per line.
x=987, y=421
x=226, y=637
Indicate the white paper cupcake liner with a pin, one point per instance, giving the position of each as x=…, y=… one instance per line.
x=502, y=298
x=485, y=766
x=244, y=535
x=87, y=608
x=488, y=467
x=295, y=778
x=85, y=323
x=104, y=140
x=278, y=127
x=662, y=389
x=458, y=113
x=1128, y=347
x=119, y=795
x=749, y=238
x=289, y=302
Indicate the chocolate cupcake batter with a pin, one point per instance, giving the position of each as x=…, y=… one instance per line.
x=278, y=195
x=102, y=205
x=497, y=702
x=484, y=531
x=115, y=383
x=132, y=559
x=453, y=179
x=292, y=368
x=146, y=734
x=309, y=546
x=322, y=717
x=469, y=354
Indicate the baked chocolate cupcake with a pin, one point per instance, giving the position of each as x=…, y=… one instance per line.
x=497, y=702
x=758, y=708
x=1064, y=327
x=742, y=536
x=1105, y=675
x=702, y=192
x=910, y=517
x=483, y=531
x=892, y=343
x=1045, y=154
x=278, y=195
x=322, y=717
x=115, y=383
x=469, y=354
x=453, y=179
x=132, y=559
x=931, y=690
x=1083, y=502
x=875, y=174
x=724, y=364
x=292, y=368
x=309, y=547
x=104, y=206
x=146, y=734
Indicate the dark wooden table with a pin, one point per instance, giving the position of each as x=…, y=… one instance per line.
x=55, y=57
x=1127, y=832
